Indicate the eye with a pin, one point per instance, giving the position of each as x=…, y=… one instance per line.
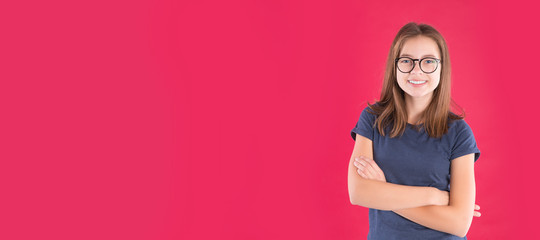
x=429, y=61
x=405, y=61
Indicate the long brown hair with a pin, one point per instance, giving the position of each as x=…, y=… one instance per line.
x=391, y=110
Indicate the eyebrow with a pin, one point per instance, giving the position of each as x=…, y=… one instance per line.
x=428, y=55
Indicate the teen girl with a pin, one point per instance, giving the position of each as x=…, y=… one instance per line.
x=413, y=158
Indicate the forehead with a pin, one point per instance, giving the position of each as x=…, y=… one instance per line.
x=418, y=47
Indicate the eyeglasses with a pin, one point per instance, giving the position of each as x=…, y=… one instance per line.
x=427, y=64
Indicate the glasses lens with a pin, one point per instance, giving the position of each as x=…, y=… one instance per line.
x=428, y=65
x=405, y=64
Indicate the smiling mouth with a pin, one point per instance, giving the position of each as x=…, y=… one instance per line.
x=420, y=82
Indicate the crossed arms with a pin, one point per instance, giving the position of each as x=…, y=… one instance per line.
x=449, y=212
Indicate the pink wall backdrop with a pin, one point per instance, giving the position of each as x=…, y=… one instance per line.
x=231, y=119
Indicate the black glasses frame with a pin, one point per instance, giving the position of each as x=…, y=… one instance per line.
x=419, y=63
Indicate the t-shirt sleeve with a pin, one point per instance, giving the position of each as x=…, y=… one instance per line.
x=465, y=142
x=364, y=126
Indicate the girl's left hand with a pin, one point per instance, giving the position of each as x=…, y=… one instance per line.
x=367, y=168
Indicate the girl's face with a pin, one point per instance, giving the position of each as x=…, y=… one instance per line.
x=418, y=48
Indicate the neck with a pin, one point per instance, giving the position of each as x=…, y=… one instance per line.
x=415, y=106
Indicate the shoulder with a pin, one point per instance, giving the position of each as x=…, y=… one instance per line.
x=368, y=114
x=458, y=126
x=463, y=139
x=371, y=109
x=365, y=124
x=367, y=110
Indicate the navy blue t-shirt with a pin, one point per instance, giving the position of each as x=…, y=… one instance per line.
x=413, y=159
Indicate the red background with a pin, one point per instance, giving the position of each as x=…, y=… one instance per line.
x=232, y=119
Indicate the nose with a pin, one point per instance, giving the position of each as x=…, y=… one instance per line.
x=416, y=68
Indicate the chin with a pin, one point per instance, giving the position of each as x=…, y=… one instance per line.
x=419, y=95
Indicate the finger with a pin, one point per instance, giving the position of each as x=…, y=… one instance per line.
x=369, y=168
x=367, y=159
x=477, y=214
x=476, y=207
x=358, y=165
x=361, y=173
x=373, y=165
x=361, y=164
x=363, y=169
x=377, y=174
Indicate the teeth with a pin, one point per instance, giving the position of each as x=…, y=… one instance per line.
x=417, y=82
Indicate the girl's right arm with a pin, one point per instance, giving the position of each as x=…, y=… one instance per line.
x=383, y=195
